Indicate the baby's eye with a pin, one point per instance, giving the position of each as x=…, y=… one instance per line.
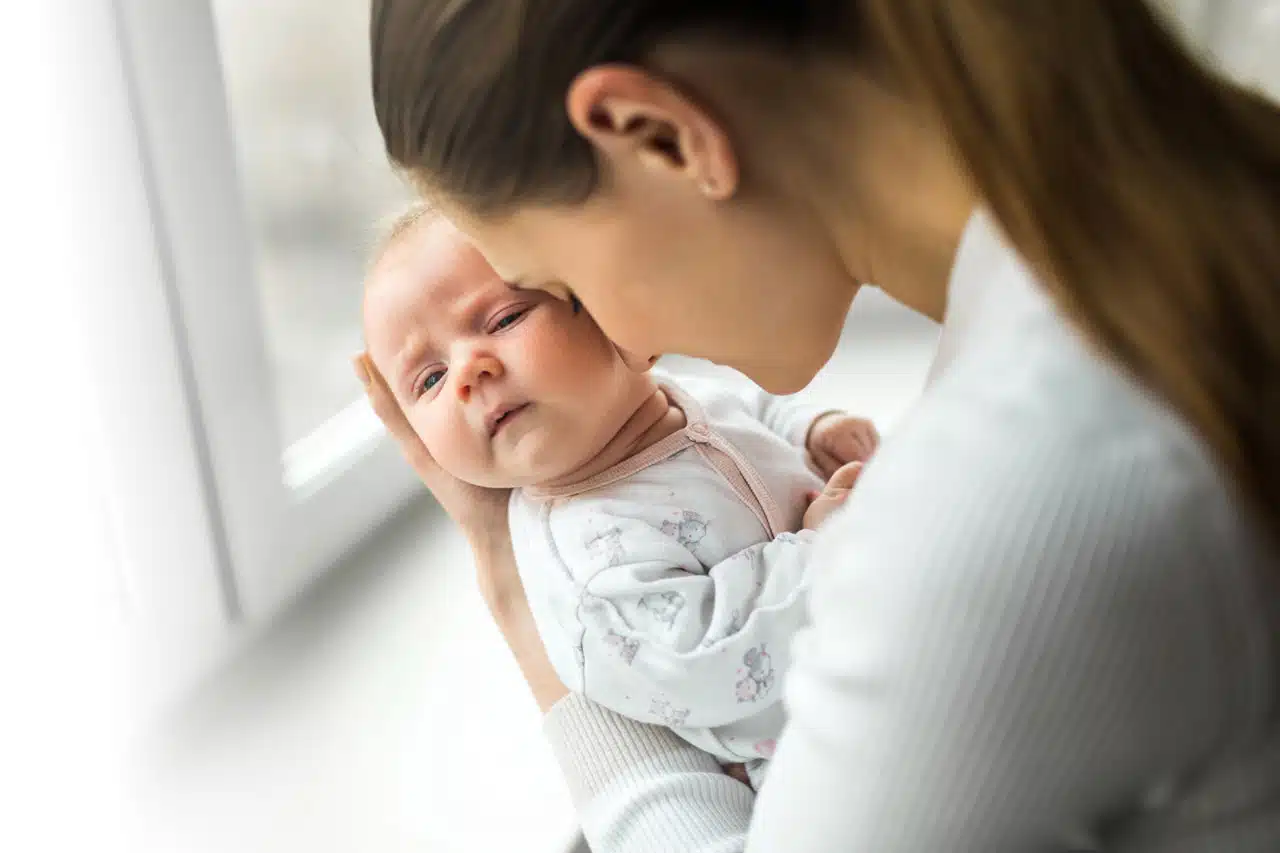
x=431, y=380
x=509, y=320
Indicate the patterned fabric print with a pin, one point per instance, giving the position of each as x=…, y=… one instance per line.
x=756, y=677
x=647, y=587
x=668, y=715
x=765, y=748
x=663, y=606
x=734, y=626
x=688, y=531
x=626, y=647
x=608, y=544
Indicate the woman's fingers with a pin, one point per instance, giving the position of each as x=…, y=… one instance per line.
x=635, y=361
x=392, y=416
x=481, y=512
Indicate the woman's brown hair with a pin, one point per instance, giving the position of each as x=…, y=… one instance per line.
x=1143, y=187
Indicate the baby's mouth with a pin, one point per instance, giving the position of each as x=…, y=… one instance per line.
x=500, y=417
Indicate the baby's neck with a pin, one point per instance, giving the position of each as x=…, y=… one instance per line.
x=655, y=418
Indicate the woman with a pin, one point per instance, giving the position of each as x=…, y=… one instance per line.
x=1049, y=618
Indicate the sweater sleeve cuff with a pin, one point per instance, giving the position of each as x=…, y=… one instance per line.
x=638, y=788
x=596, y=748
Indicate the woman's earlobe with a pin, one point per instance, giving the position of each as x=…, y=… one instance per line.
x=717, y=162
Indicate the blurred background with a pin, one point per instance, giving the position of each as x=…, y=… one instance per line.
x=312, y=667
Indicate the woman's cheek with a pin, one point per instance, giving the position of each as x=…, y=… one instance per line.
x=631, y=331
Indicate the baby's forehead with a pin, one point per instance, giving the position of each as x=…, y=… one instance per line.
x=424, y=276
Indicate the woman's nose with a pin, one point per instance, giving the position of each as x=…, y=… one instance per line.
x=476, y=369
x=637, y=362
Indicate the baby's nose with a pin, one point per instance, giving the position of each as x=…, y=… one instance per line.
x=475, y=369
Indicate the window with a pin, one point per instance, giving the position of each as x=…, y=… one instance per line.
x=264, y=181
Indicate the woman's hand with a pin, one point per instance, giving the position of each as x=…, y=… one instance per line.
x=482, y=515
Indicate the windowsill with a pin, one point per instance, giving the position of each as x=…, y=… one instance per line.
x=381, y=712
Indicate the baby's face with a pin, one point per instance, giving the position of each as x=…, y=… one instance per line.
x=505, y=388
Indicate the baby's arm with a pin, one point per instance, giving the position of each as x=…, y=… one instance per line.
x=831, y=437
x=660, y=639
x=791, y=418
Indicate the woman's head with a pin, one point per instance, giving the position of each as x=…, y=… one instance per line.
x=646, y=156
x=716, y=177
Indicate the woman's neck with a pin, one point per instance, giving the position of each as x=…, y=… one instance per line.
x=910, y=262
x=895, y=202
x=655, y=418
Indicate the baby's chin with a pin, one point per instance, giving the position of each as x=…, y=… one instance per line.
x=538, y=461
x=522, y=477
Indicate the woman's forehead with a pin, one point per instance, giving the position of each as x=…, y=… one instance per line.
x=510, y=245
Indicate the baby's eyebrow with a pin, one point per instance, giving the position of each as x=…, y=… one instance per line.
x=416, y=348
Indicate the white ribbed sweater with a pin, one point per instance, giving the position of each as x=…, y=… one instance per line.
x=1040, y=624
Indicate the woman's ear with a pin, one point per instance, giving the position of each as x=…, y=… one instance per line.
x=635, y=119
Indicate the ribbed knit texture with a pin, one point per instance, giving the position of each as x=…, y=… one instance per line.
x=1040, y=624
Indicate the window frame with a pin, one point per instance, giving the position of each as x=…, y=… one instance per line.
x=276, y=517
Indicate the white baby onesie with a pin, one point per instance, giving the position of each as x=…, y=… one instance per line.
x=668, y=588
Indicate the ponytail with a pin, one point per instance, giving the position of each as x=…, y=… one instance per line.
x=1144, y=189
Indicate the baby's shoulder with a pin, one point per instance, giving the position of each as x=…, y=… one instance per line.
x=652, y=514
x=644, y=499
x=718, y=391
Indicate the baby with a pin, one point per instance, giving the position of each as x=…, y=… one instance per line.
x=661, y=529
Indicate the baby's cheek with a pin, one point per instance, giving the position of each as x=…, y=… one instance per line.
x=451, y=445
x=566, y=352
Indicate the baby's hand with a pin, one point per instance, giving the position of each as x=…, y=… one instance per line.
x=837, y=439
x=831, y=498
x=739, y=772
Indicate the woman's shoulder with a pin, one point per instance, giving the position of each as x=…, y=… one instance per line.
x=1052, y=480
x=1041, y=415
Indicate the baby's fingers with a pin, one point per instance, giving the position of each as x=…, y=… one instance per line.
x=868, y=438
x=844, y=479
x=855, y=442
x=824, y=463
